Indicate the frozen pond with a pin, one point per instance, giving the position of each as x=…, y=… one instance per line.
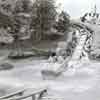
x=82, y=83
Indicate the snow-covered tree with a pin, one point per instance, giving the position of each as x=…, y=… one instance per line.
x=44, y=13
x=63, y=22
x=23, y=6
x=21, y=17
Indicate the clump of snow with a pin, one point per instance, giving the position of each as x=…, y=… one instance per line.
x=51, y=66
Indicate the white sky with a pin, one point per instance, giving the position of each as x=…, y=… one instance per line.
x=77, y=8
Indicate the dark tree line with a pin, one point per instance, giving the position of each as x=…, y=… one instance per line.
x=37, y=19
x=42, y=15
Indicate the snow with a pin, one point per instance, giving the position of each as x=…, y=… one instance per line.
x=81, y=82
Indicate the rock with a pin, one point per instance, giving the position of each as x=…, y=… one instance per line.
x=50, y=70
x=6, y=66
x=49, y=75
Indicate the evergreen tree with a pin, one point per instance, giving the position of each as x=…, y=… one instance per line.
x=44, y=13
x=22, y=9
x=23, y=6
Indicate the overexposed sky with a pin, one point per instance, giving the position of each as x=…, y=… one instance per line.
x=77, y=8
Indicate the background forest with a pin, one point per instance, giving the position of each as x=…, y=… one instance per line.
x=27, y=23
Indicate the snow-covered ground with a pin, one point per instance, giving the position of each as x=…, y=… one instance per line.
x=81, y=83
x=78, y=83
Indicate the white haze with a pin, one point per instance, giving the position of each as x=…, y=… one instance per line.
x=77, y=8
